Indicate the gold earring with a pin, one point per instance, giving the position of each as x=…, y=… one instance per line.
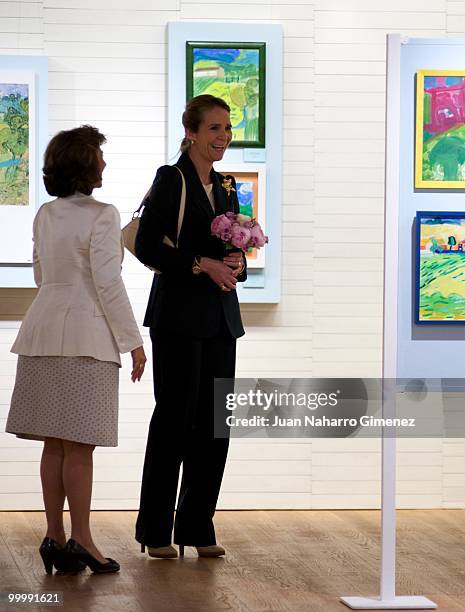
x=192, y=142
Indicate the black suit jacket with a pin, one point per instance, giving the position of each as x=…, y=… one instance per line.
x=180, y=300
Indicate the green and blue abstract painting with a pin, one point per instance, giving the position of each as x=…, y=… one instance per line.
x=236, y=74
x=14, y=144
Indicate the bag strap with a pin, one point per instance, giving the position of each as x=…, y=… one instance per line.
x=182, y=205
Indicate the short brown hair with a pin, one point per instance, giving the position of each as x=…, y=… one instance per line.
x=193, y=115
x=70, y=161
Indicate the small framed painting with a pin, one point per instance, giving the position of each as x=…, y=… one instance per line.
x=235, y=72
x=18, y=172
x=440, y=129
x=250, y=187
x=16, y=127
x=440, y=268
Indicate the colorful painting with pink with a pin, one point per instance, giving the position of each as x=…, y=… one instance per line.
x=440, y=151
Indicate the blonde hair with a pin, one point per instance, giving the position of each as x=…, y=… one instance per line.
x=193, y=114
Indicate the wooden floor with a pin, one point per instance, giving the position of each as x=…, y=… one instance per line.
x=291, y=561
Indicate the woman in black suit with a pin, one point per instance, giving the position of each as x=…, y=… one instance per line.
x=194, y=319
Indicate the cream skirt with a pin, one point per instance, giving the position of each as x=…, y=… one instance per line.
x=72, y=398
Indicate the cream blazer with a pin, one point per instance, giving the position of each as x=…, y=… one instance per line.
x=81, y=307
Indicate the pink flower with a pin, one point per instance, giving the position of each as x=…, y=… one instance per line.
x=240, y=236
x=221, y=227
x=237, y=230
x=257, y=237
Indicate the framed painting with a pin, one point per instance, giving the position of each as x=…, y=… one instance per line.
x=235, y=72
x=440, y=129
x=17, y=163
x=250, y=186
x=440, y=268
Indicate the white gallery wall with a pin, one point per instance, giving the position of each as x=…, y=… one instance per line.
x=108, y=68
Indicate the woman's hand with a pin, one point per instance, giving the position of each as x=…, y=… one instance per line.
x=219, y=272
x=138, y=363
x=235, y=261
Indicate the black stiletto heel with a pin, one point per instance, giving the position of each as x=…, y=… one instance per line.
x=79, y=553
x=47, y=551
x=142, y=548
x=181, y=550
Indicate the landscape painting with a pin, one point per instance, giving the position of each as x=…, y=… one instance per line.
x=440, y=269
x=18, y=164
x=14, y=143
x=234, y=72
x=440, y=129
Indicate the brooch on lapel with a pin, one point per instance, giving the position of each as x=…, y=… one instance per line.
x=227, y=184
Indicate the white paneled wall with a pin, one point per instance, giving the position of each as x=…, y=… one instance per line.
x=108, y=68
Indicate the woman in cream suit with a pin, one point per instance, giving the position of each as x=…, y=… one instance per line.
x=69, y=344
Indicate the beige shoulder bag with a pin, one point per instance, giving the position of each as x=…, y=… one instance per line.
x=129, y=231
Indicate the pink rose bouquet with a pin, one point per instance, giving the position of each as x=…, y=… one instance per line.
x=238, y=231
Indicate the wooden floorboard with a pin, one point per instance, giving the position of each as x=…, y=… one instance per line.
x=277, y=561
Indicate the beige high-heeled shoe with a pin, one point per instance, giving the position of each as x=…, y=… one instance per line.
x=161, y=552
x=215, y=550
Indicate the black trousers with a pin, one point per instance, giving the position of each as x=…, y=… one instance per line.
x=182, y=432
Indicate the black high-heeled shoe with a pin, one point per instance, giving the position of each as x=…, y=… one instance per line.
x=54, y=555
x=79, y=553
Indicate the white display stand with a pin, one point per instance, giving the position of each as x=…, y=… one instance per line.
x=388, y=599
x=263, y=285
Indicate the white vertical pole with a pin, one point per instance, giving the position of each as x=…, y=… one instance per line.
x=388, y=503
x=388, y=599
x=391, y=272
